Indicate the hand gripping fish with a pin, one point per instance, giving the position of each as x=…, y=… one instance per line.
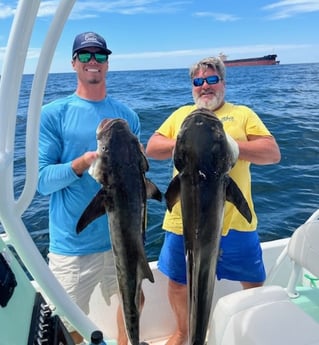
x=203, y=156
x=120, y=168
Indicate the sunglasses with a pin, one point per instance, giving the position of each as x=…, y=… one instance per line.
x=211, y=80
x=85, y=56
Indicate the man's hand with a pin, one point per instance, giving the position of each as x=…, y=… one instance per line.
x=82, y=163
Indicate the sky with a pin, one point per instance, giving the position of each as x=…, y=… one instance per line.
x=161, y=34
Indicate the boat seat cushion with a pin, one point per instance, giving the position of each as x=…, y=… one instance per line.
x=303, y=246
x=262, y=316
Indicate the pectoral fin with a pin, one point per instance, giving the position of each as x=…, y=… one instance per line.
x=152, y=191
x=172, y=194
x=95, y=209
x=235, y=196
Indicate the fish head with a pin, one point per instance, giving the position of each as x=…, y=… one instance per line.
x=108, y=130
x=118, y=148
x=112, y=136
x=203, y=144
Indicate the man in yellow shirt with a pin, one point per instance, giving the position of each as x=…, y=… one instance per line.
x=240, y=255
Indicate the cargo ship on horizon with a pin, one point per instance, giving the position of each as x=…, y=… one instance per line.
x=257, y=61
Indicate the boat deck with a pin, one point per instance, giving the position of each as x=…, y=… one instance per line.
x=308, y=301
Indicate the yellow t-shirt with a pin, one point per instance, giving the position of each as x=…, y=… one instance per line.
x=238, y=121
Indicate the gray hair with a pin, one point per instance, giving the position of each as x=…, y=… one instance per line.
x=213, y=62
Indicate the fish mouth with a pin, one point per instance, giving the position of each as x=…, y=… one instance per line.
x=106, y=125
x=199, y=117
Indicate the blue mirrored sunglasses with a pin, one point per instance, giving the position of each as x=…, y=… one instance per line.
x=212, y=79
x=85, y=56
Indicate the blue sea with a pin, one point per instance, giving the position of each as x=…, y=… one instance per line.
x=286, y=97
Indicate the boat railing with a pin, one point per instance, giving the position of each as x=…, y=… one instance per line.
x=11, y=207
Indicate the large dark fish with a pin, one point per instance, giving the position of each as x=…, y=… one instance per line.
x=120, y=169
x=203, y=156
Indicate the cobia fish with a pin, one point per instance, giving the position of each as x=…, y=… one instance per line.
x=120, y=168
x=203, y=156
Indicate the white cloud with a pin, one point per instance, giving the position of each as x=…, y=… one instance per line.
x=290, y=8
x=90, y=9
x=262, y=49
x=33, y=53
x=6, y=11
x=47, y=8
x=221, y=17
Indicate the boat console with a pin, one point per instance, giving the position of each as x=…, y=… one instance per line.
x=24, y=313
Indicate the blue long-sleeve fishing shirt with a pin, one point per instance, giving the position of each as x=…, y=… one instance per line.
x=68, y=130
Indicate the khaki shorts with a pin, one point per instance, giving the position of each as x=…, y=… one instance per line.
x=79, y=275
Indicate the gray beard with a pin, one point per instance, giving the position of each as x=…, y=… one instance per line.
x=211, y=105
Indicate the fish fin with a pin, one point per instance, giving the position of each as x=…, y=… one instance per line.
x=152, y=192
x=150, y=277
x=144, y=161
x=235, y=196
x=172, y=194
x=95, y=209
x=146, y=271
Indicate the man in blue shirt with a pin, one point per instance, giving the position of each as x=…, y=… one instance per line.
x=67, y=149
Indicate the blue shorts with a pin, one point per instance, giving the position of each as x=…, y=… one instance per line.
x=240, y=258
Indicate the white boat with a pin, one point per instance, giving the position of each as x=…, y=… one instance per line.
x=31, y=305
x=278, y=313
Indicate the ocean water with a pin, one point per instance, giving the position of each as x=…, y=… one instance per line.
x=286, y=97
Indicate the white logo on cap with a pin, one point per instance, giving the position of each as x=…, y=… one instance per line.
x=91, y=38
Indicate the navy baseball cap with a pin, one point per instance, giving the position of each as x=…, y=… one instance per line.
x=89, y=39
